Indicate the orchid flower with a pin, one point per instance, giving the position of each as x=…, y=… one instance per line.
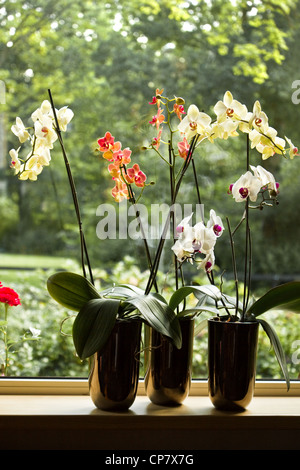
x=293, y=151
x=158, y=119
x=19, y=130
x=15, y=162
x=194, y=122
x=135, y=175
x=204, y=238
x=31, y=169
x=178, y=110
x=268, y=143
x=183, y=148
x=198, y=240
x=64, y=116
x=44, y=132
x=259, y=119
x=120, y=191
x=44, y=136
x=207, y=263
x=215, y=222
x=230, y=108
x=246, y=186
x=266, y=178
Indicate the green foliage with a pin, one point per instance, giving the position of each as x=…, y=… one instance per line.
x=285, y=297
x=71, y=290
x=54, y=355
x=93, y=325
x=98, y=312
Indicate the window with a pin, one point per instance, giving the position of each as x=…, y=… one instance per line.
x=91, y=57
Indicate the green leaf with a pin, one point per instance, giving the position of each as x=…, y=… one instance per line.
x=275, y=342
x=200, y=327
x=71, y=290
x=159, y=315
x=122, y=291
x=211, y=291
x=196, y=310
x=285, y=296
x=93, y=325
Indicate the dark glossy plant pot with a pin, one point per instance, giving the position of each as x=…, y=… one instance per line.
x=114, y=377
x=168, y=369
x=232, y=350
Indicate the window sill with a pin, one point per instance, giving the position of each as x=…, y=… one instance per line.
x=71, y=421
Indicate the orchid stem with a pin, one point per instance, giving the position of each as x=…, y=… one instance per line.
x=137, y=213
x=236, y=282
x=167, y=223
x=247, y=247
x=84, y=253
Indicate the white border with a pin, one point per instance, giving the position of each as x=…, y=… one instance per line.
x=65, y=386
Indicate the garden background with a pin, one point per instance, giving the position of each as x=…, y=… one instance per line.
x=105, y=59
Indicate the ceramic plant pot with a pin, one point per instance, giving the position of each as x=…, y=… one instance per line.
x=168, y=369
x=232, y=350
x=114, y=377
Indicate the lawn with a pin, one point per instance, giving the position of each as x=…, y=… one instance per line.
x=12, y=266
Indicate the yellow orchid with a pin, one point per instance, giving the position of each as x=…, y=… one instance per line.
x=230, y=108
x=19, y=130
x=293, y=151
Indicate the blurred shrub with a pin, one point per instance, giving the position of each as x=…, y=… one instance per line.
x=53, y=354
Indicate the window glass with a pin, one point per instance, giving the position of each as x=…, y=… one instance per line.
x=105, y=62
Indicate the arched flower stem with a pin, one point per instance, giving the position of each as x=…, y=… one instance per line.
x=84, y=252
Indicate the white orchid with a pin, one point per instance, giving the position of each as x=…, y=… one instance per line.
x=197, y=242
x=204, y=238
x=183, y=247
x=184, y=224
x=215, y=222
x=246, y=186
x=207, y=263
x=20, y=131
x=266, y=178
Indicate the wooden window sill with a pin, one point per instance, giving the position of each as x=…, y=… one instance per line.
x=71, y=422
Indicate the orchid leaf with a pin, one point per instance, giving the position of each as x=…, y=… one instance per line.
x=93, y=325
x=71, y=290
x=285, y=296
x=275, y=342
x=196, y=310
x=209, y=290
x=200, y=327
x=122, y=291
x=158, y=315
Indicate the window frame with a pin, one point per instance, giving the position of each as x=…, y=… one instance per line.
x=79, y=386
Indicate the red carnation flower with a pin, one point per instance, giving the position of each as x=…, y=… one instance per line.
x=9, y=296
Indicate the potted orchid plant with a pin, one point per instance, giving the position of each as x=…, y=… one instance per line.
x=104, y=321
x=236, y=319
x=255, y=189
x=99, y=313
